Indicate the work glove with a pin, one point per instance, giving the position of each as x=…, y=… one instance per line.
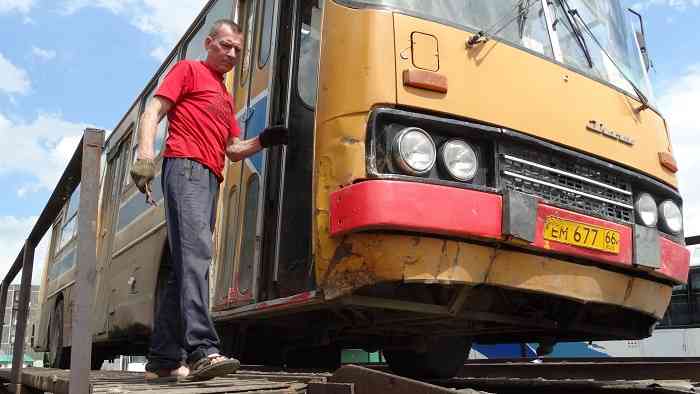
x=142, y=172
x=274, y=135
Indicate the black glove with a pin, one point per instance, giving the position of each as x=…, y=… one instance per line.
x=274, y=135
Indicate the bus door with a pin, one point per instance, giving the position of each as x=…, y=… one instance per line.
x=111, y=193
x=292, y=264
x=240, y=252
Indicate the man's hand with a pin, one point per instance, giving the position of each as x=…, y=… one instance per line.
x=274, y=135
x=142, y=172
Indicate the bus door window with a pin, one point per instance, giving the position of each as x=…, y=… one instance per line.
x=309, y=52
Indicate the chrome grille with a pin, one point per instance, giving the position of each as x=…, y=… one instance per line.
x=567, y=182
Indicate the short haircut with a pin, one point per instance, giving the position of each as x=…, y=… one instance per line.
x=224, y=22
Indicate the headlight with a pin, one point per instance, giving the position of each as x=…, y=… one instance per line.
x=671, y=217
x=414, y=151
x=459, y=160
x=646, y=210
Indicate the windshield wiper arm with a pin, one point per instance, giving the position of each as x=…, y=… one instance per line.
x=578, y=34
x=642, y=98
x=523, y=7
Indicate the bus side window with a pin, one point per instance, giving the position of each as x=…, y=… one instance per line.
x=125, y=160
x=222, y=9
x=69, y=227
x=161, y=132
x=309, y=52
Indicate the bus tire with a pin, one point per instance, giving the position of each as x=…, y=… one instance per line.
x=58, y=355
x=444, y=358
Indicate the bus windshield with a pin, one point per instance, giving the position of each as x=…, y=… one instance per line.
x=606, y=19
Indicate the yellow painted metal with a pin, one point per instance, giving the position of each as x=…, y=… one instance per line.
x=357, y=69
x=365, y=259
x=361, y=66
x=424, y=51
x=509, y=87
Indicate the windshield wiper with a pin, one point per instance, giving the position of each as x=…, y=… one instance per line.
x=520, y=13
x=578, y=34
x=642, y=98
x=523, y=7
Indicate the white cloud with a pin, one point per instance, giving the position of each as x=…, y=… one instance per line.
x=43, y=54
x=39, y=149
x=679, y=5
x=159, y=53
x=166, y=20
x=12, y=78
x=13, y=232
x=22, y=6
x=679, y=106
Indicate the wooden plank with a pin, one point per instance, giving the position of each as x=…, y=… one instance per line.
x=81, y=348
x=123, y=382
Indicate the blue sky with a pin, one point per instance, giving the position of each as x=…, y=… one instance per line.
x=66, y=64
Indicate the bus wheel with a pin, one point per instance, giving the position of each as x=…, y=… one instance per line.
x=443, y=359
x=59, y=356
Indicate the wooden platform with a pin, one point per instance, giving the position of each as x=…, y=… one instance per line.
x=120, y=382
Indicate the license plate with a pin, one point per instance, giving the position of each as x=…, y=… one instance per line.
x=582, y=234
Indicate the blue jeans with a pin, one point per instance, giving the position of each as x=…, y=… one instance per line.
x=183, y=329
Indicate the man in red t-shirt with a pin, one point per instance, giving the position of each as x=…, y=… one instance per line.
x=202, y=130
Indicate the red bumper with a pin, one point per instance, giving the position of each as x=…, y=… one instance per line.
x=433, y=209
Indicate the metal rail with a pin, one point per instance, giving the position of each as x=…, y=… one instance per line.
x=84, y=169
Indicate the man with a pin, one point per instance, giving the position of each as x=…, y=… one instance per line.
x=202, y=129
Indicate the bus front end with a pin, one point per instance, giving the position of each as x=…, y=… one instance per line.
x=505, y=186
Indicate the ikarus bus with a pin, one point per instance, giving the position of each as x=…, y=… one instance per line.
x=458, y=172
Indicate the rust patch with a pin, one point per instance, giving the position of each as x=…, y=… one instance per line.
x=345, y=282
x=342, y=251
x=628, y=291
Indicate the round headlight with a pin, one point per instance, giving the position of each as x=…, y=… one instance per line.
x=459, y=160
x=646, y=209
x=671, y=216
x=414, y=151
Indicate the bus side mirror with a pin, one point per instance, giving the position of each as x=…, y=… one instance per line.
x=642, y=40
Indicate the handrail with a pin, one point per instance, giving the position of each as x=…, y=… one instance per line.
x=84, y=169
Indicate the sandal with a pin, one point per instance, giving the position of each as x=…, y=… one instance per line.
x=166, y=375
x=206, y=368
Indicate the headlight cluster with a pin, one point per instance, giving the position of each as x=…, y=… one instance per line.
x=414, y=151
x=667, y=215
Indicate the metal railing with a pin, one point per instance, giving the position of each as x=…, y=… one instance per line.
x=84, y=169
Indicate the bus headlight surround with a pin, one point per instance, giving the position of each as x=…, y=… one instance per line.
x=646, y=209
x=414, y=151
x=459, y=160
x=671, y=217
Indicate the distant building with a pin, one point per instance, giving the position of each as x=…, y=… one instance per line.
x=11, y=314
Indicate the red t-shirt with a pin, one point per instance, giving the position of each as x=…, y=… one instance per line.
x=202, y=118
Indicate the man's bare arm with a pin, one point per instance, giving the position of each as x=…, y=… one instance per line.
x=155, y=110
x=237, y=150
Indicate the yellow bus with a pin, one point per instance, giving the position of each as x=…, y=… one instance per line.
x=458, y=172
